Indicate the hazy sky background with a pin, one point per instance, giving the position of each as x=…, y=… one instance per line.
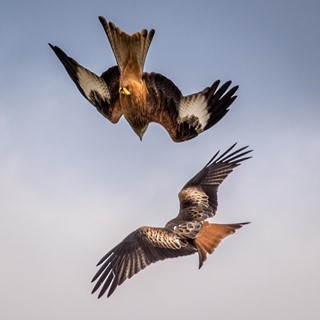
x=72, y=185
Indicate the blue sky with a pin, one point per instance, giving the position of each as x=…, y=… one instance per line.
x=72, y=185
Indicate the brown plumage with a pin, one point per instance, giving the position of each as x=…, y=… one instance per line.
x=186, y=234
x=210, y=236
x=143, y=97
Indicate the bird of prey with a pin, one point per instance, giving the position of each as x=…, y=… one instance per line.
x=141, y=97
x=186, y=234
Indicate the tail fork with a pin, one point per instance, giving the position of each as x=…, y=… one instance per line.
x=211, y=235
x=124, y=44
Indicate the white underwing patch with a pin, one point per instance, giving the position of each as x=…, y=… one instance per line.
x=194, y=106
x=89, y=82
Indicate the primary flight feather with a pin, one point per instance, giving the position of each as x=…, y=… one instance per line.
x=188, y=233
x=141, y=97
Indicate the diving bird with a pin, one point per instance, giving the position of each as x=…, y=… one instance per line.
x=186, y=234
x=141, y=97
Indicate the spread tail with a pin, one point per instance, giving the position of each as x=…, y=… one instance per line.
x=211, y=235
x=123, y=44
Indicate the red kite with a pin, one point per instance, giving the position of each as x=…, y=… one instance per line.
x=188, y=233
x=143, y=97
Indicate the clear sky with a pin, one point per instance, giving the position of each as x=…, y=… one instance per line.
x=72, y=185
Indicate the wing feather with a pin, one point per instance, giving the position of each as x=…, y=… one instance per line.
x=184, y=117
x=102, y=92
x=131, y=256
x=198, y=198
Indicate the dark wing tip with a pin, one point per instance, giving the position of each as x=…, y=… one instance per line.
x=151, y=33
x=232, y=158
x=227, y=84
x=102, y=20
x=218, y=93
x=56, y=50
x=95, y=288
x=232, y=91
x=215, y=158
x=219, y=101
x=223, y=88
x=66, y=61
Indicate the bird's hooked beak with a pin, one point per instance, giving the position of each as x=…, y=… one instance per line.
x=141, y=132
x=125, y=91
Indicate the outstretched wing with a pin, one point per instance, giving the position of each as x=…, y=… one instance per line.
x=139, y=249
x=102, y=92
x=198, y=198
x=184, y=117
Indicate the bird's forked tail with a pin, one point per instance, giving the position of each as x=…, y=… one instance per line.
x=124, y=45
x=211, y=235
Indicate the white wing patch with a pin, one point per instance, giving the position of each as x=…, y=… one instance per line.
x=89, y=82
x=194, y=107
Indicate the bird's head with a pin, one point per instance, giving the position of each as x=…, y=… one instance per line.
x=140, y=131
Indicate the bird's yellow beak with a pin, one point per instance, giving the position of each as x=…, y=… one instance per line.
x=124, y=91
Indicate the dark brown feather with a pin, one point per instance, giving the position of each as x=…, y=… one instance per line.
x=102, y=92
x=199, y=196
x=186, y=234
x=150, y=97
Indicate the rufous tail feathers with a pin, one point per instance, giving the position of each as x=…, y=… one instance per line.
x=123, y=45
x=211, y=235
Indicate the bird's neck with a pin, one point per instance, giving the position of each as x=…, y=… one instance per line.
x=136, y=102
